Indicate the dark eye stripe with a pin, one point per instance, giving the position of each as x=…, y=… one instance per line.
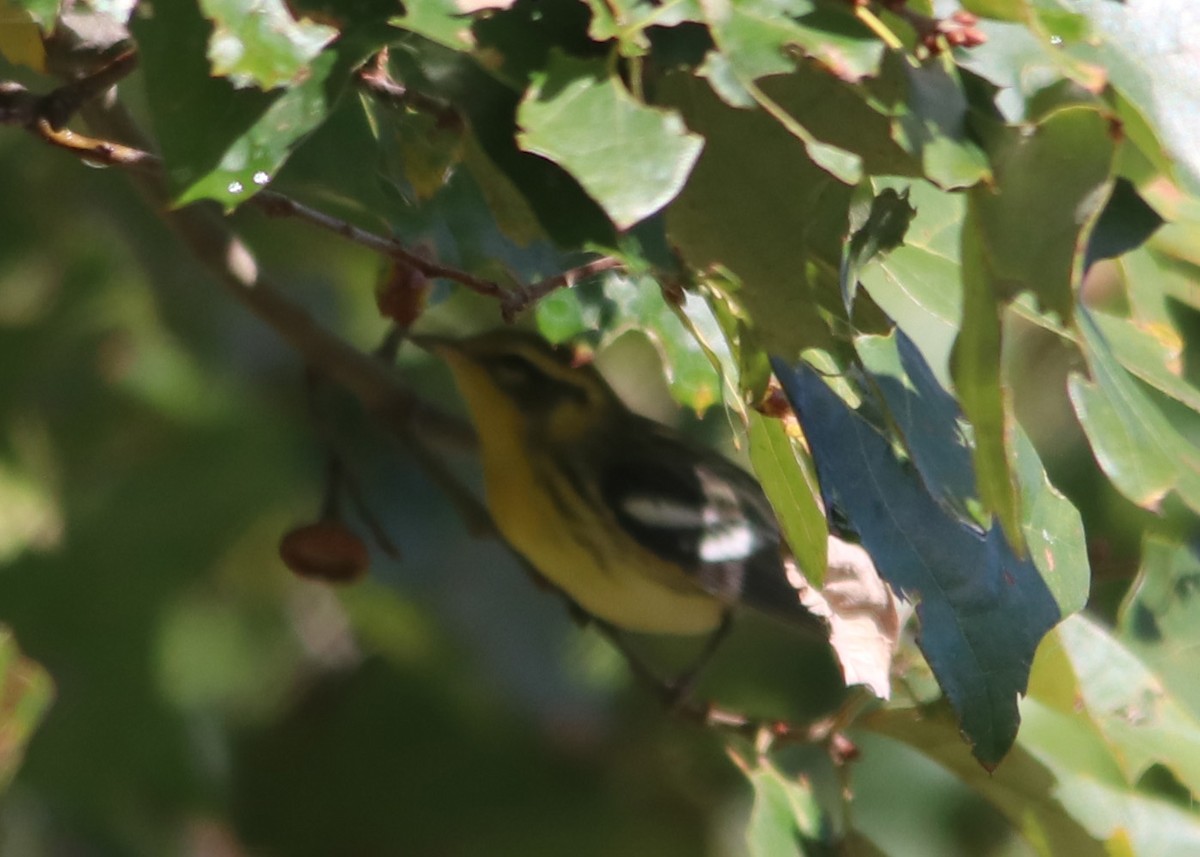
x=531, y=385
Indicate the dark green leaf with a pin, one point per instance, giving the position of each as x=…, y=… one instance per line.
x=779, y=232
x=982, y=610
x=927, y=417
x=1124, y=224
x=932, y=125
x=563, y=209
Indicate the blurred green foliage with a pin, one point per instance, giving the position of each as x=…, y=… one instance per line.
x=168, y=687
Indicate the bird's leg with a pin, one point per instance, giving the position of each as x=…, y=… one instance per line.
x=680, y=688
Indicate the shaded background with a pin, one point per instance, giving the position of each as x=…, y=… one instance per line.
x=156, y=442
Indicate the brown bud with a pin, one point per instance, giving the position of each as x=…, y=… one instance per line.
x=325, y=550
x=401, y=293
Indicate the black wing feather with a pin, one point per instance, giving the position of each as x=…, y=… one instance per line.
x=703, y=513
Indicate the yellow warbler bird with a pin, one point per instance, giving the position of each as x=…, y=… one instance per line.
x=639, y=525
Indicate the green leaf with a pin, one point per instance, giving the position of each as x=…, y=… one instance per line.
x=1145, y=354
x=259, y=43
x=1068, y=727
x=918, y=284
x=975, y=365
x=1142, y=722
x=247, y=134
x=630, y=158
x=1160, y=80
x=627, y=21
x=928, y=419
x=618, y=303
x=784, y=815
x=1160, y=619
x=762, y=37
x=754, y=40
x=1024, y=789
x=932, y=125
x=562, y=207
x=883, y=230
x=779, y=232
x=1134, y=444
x=26, y=691
x=785, y=471
x=982, y=609
x=1030, y=239
x=440, y=21
x=1053, y=531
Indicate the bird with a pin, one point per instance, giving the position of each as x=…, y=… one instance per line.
x=639, y=525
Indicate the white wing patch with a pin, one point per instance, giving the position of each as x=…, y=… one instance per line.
x=734, y=541
x=724, y=534
x=664, y=513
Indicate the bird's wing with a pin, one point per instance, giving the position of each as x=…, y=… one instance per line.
x=695, y=509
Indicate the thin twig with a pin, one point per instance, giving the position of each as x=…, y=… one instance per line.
x=519, y=300
x=374, y=78
x=369, y=379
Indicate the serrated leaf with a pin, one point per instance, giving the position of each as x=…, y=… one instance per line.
x=786, y=474
x=630, y=158
x=26, y=691
x=982, y=610
x=247, y=134
x=259, y=43
x=757, y=37
x=778, y=231
x=441, y=21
